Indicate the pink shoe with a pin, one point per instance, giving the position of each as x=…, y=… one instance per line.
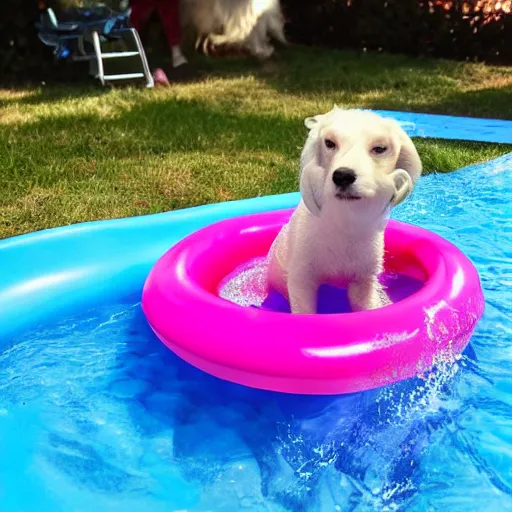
x=160, y=77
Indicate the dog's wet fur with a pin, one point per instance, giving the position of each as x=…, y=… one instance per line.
x=354, y=167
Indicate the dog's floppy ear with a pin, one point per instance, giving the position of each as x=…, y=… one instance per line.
x=311, y=183
x=408, y=167
x=408, y=159
x=311, y=122
x=403, y=186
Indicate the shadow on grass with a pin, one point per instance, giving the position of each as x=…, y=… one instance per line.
x=158, y=127
x=399, y=82
x=183, y=138
x=493, y=102
x=39, y=151
x=393, y=82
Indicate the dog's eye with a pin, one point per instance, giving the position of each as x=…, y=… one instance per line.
x=378, y=150
x=329, y=144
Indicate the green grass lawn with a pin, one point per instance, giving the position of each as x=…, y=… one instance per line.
x=76, y=153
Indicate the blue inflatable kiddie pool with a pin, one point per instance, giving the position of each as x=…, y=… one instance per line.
x=96, y=414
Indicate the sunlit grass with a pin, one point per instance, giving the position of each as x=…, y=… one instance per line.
x=70, y=154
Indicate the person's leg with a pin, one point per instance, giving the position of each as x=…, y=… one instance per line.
x=140, y=12
x=169, y=12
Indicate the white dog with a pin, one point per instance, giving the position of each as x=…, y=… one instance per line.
x=354, y=167
x=248, y=24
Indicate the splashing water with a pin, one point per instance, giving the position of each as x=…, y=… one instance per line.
x=247, y=285
x=96, y=414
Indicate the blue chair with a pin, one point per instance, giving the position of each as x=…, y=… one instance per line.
x=80, y=38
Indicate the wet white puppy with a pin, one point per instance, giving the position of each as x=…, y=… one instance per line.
x=355, y=165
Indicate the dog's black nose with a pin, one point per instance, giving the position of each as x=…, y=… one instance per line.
x=343, y=177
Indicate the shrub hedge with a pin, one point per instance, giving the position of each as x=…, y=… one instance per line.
x=455, y=29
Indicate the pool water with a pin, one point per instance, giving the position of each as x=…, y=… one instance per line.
x=97, y=415
x=247, y=286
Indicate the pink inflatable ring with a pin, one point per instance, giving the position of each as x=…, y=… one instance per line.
x=310, y=354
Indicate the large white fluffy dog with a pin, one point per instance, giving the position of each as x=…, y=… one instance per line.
x=355, y=165
x=248, y=24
